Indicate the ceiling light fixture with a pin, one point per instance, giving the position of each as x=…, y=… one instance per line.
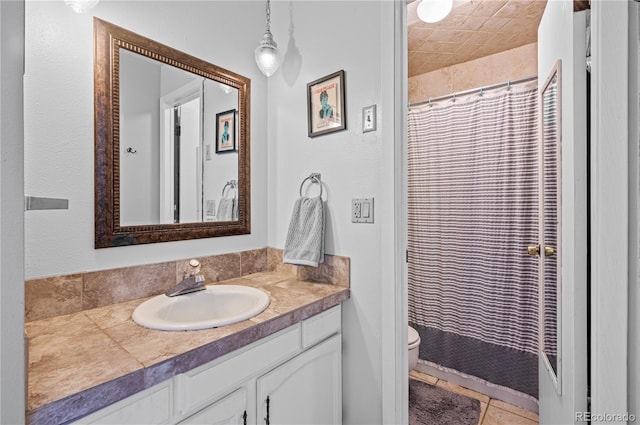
x=81, y=6
x=431, y=11
x=267, y=51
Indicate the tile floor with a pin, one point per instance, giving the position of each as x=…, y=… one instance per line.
x=493, y=412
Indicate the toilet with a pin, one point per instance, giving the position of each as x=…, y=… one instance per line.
x=414, y=347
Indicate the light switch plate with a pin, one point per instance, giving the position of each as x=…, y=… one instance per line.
x=369, y=118
x=362, y=210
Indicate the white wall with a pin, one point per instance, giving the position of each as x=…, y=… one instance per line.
x=222, y=167
x=12, y=388
x=12, y=365
x=59, y=150
x=318, y=38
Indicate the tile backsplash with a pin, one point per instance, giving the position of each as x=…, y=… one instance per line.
x=60, y=295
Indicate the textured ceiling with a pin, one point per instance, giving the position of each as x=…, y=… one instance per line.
x=473, y=29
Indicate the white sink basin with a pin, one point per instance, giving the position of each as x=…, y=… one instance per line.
x=218, y=305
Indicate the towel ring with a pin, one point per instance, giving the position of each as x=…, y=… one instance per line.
x=315, y=178
x=231, y=184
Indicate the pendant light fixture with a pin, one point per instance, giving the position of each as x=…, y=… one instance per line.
x=431, y=11
x=81, y=6
x=267, y=51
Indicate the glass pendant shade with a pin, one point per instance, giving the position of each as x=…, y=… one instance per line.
x=431, y=11
x=267, y=55
x=267, y=51
x=81, y=6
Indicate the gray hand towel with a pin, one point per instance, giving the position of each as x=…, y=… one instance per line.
x=225, y=210
x=305, y=238
x=234, y=210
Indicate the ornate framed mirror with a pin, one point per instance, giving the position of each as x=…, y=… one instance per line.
x=172, y=148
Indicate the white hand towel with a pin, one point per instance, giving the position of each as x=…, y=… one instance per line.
x=225, y=210
x=305, y=238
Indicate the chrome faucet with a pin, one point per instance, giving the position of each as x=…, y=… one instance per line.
x=191, y=282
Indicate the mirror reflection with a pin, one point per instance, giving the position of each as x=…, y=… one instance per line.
x=551, y=135
x=172, y=166
x=171, y=143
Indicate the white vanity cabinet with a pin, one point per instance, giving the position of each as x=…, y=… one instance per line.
x=299, y=369
x=306, y=389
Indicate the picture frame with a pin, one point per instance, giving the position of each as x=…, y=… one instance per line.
x=326, y=109
x=226, y=131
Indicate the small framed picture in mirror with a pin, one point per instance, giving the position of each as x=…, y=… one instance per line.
x=226, y=131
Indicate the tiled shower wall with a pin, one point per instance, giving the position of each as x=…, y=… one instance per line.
x=514, y=64
x=59, y=295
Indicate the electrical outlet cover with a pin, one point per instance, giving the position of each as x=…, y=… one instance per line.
x=362, y=210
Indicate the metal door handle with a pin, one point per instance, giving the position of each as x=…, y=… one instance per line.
x=534, y=250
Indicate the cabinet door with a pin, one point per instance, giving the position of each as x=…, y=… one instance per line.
x=229, y=410
x=305, y=390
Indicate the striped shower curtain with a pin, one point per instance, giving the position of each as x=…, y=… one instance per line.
x=473, y=209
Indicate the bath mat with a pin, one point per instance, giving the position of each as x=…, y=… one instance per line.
x=431, y=405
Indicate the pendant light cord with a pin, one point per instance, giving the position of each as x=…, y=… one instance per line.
x=268, y=17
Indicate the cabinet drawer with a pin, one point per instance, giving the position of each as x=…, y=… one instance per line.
x=231, y=409
x=321, y=326
x=207, y=382
x=151, y=406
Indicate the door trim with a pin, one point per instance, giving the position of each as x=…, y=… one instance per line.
x=609, y=206
x=394, y=358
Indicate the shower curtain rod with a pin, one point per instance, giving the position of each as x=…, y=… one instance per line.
x=479, y=89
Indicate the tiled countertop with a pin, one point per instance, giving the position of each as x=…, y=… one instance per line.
x=81, y=362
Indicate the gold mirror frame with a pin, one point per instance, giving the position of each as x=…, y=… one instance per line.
x=109, y=39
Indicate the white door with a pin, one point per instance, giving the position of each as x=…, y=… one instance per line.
x=305, y=390
x=190, y=162
x=563, y=369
